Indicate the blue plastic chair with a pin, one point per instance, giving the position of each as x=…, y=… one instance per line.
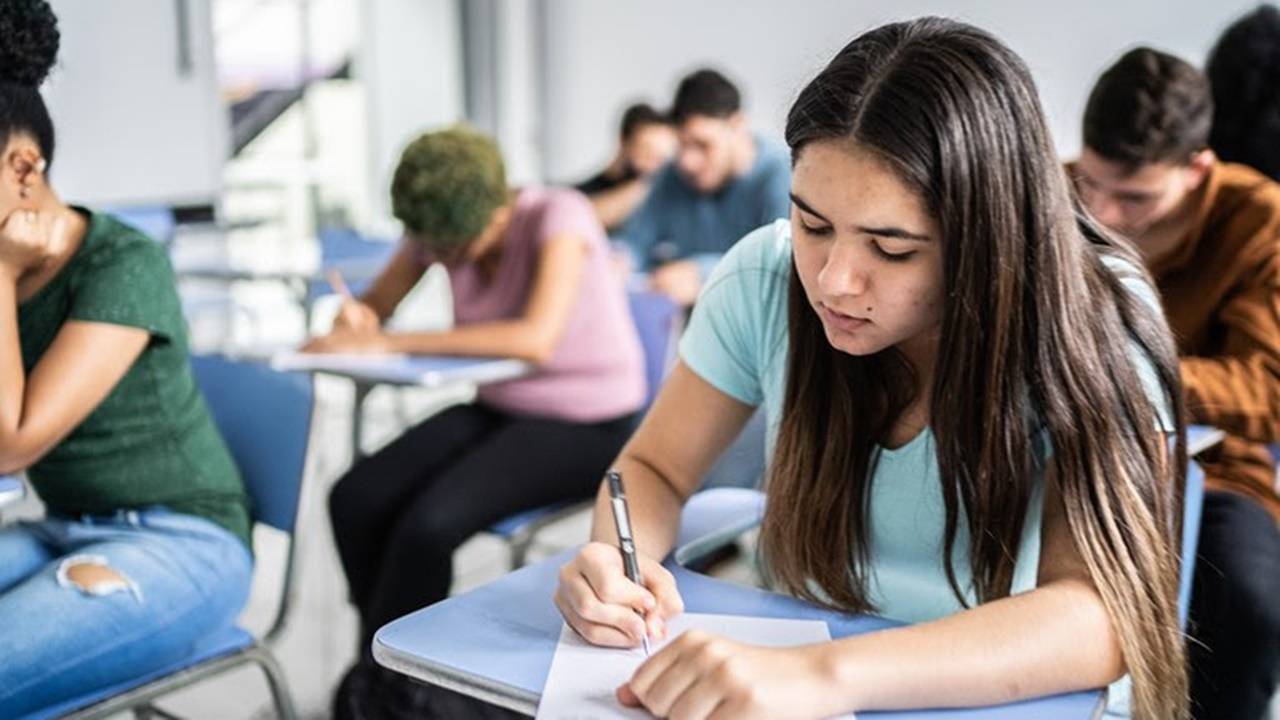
x=265, y=418
x=716, y=517
x=658, y=320
x=156, y=222
x=357, y=258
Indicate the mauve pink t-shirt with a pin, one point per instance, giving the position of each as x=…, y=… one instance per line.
x=597, y=371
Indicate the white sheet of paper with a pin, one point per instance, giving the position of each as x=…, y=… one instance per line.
x=583, y=677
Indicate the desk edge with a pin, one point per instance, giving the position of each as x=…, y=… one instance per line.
x=500, y=694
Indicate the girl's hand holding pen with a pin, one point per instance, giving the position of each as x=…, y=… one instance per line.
x=601, y=604
x=353, y=316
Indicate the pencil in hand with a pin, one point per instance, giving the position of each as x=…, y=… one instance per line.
x=340, y=285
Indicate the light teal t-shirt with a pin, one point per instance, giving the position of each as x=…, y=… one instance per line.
x=737, y=341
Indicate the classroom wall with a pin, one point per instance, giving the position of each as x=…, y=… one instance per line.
x=136, y=110
x=602, y=55
x=409, y=61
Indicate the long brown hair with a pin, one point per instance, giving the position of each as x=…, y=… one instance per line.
x=1034, y=339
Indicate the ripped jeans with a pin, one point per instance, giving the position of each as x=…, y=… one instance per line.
x=92, y=601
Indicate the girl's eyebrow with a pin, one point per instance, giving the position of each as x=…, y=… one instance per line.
x=890, y=232
x=805, y=207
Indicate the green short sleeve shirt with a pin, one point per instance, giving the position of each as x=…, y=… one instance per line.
x=151, y=441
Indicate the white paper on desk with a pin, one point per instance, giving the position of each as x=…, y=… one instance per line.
x=584, y=677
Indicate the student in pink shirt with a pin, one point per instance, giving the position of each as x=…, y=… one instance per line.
x=531, y=279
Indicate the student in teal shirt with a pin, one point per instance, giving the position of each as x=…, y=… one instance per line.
x=969, y=389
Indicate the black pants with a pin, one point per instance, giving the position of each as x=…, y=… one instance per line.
x=398, y=515
x=1235, y=610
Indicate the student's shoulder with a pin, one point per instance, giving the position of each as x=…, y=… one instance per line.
x=558, y=198
x=775, y=160
x=558, y=203
x=1247, y=201
x=560, y=210
x=108, y=240
x=760, y=260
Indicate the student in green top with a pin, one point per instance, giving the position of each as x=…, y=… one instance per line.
x=145, y=546
x=968, y=387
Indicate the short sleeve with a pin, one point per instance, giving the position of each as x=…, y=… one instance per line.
x=568, y=212
x=129, y=283
x=725, y=340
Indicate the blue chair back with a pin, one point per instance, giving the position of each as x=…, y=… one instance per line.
x=357, y=258
x=157, y=222
x=265, y=417
x=714, y=518
x=1192, y=507
x=656, y=317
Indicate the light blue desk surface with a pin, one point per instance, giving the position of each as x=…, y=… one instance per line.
x=428, y=371
x=419, y=370
x=11, y=490
x=496, y=642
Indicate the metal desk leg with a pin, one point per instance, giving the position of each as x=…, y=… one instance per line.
x=357, y=418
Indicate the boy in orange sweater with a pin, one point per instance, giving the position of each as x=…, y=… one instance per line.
x=1210, y=234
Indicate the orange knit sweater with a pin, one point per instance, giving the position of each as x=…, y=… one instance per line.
x=1221, y=294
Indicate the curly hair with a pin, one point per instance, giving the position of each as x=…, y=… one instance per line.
x=1148, y=107
x=447, y=185
x=29, y=41
x=1244, y=72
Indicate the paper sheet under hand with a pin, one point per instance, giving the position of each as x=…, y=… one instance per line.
x=584, y=677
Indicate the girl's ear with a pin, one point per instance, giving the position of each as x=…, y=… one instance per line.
x=24, y=166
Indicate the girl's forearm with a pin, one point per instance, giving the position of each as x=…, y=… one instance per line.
x=12, y=376
x=1051, y=640
x=653, y=504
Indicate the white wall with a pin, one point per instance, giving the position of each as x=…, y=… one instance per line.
x=410, y=63
x=132, y=126
x=602, y=55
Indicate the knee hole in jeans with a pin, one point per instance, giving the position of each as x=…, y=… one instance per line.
x=94, y=576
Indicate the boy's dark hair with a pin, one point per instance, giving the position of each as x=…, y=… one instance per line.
x=1148, y=107
x=638, y=116
x=707, y=93
x=1244, y=72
